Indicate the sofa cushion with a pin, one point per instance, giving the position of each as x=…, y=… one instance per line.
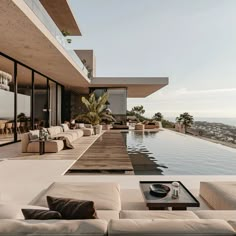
x=73, y=135
x=53, y=227
x=72, y=209
x=54, y=130
x=76, y=133
x=79, y=132
x=88, y=132
x=37, y=214
x=157, y=215
x=52, y=146
x=216, y=214
x=66, y=135
x=24, y=142
x=219, y=195
x=169, y=227
x=13, y=211
x=106, y=196
x=107, y=215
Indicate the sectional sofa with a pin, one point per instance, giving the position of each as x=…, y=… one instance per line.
x=27, y=145
x=117, y=222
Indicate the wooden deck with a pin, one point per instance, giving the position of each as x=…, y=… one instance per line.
x=107, y=154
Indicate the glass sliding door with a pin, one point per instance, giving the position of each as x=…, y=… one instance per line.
x=59, y=100
x=52, y=103
x=24, y=93
x=6, y=100
x=41, y=101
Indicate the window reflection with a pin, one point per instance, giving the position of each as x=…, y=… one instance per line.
x=6, y=100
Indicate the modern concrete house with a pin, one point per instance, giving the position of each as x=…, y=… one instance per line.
x=48, y=79
x=149, y=181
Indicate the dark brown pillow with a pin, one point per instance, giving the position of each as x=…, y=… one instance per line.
x=71, y=208
x=38, y=214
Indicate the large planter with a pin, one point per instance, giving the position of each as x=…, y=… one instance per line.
x=97, y=129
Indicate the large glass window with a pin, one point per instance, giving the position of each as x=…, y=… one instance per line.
x=36, y=101
x=6, y=100
x=24, y=91
x=118, y=103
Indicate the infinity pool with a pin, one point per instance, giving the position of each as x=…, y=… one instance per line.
x=170, y=153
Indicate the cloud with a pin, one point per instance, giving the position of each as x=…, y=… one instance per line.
x=208, y=102
x=207, y=91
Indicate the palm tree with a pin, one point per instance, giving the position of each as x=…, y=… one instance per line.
x=186, y=119
x=96, y=110
x=158, y=116
x=138, y=110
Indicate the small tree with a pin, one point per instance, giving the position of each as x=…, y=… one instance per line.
x=186, y=119
x=138, y=110
x=97, y=110
x=158, y=116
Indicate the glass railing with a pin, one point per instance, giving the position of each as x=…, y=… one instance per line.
x=43, y=16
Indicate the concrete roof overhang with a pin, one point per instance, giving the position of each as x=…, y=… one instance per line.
x=26, y=39
x=136, y=86
x=61, y=14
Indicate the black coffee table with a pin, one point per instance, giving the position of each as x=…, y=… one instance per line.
x=186, y=199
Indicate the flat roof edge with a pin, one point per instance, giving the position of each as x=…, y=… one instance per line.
x=131, y=80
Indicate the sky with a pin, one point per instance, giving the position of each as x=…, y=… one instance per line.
x=193, y=42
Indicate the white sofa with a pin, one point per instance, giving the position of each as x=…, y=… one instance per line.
x=116, y=222
x=52, y=145
x=153, y=225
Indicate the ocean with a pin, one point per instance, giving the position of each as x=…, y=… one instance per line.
x=227, y=121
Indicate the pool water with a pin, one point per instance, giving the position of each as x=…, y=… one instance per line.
x=170, y=153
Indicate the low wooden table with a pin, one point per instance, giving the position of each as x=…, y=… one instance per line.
x=186, y=199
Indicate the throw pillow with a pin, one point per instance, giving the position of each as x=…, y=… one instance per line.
x=65, y=127
x=71, y=208
x=37, y=214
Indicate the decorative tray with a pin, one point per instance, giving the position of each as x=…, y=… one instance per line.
x=159, y=190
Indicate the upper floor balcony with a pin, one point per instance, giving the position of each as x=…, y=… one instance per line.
x=42, y=14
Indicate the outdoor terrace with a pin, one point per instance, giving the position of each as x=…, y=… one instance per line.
x=34, y=173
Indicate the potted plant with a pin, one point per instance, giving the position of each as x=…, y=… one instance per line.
x=96, y=111
x=66, y=33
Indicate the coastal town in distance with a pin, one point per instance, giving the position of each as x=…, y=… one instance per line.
x=215, y=131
